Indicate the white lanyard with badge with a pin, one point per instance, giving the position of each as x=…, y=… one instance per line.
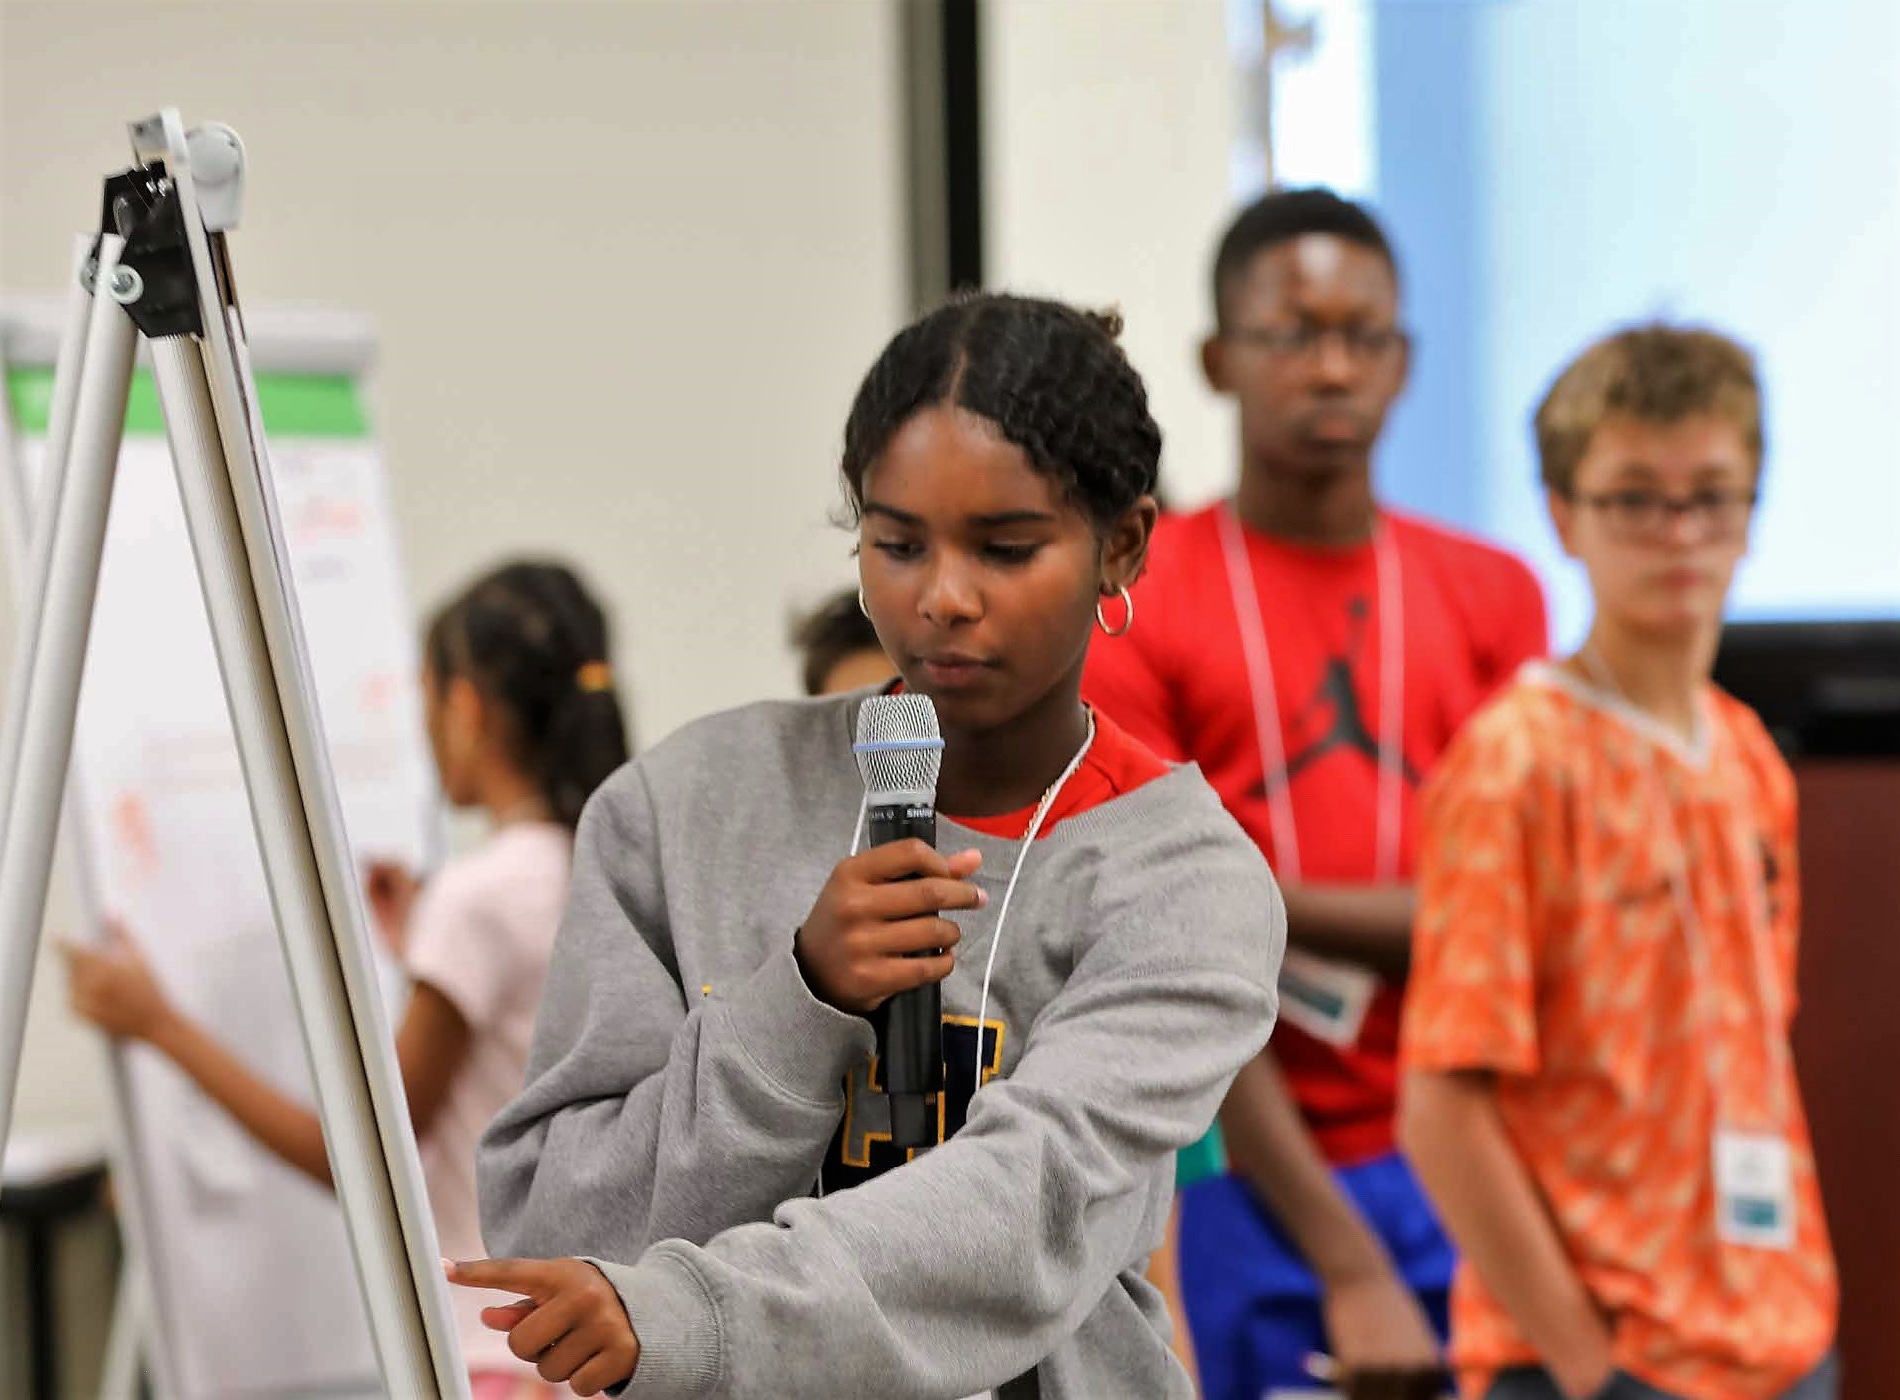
x=1754, y=1167
x=1325, y=998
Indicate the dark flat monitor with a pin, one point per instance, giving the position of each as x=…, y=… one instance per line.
x=1824, y=689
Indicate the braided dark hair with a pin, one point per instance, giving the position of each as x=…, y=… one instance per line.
x=1051, y=378
x=534, y=642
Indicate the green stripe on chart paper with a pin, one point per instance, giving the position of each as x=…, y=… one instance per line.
x=294, y=405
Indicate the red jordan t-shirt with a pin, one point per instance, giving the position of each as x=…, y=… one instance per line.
x=1178, y=682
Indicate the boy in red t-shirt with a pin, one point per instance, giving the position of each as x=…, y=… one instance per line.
x=1314, y=652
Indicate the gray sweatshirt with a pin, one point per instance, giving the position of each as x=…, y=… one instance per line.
x=687, y=1092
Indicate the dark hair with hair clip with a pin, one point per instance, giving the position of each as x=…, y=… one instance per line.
x=534, y=643
x=1050, y=378
x=1282, y=216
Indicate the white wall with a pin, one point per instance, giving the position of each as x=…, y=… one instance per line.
x=627, y=261
x=1105, y=144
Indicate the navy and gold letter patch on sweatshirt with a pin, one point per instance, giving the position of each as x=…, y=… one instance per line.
x=862, y=1148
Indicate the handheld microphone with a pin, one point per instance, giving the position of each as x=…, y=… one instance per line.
x=899, y=752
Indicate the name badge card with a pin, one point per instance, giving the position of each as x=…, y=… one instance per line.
x=1326, y=999
x=1754, y=1189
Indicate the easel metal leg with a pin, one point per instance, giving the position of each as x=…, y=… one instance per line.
x=131, y=1321
x=282, y=819
x=39, y=737
x=29, y=548
x=25, y=508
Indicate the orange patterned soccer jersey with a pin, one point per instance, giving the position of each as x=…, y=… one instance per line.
x=1563, y=833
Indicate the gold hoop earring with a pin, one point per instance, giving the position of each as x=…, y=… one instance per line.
x=1128, y=618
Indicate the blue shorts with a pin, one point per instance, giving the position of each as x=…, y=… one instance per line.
x=1253, y=1306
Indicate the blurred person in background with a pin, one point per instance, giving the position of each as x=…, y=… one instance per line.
x=1600, y=1092
x=1314, y=651
x=838, y=647
x=524, y=722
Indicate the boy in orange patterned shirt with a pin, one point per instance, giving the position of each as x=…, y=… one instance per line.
x=1599, y=1093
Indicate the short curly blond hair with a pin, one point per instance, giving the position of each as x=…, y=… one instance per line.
x=1656, y=373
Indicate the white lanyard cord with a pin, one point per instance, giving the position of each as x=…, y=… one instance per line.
x=1266, y=705
x=1694, y=939
x=1009, y=890
x=1385, y=557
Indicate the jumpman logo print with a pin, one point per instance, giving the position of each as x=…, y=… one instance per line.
x=1334, y=704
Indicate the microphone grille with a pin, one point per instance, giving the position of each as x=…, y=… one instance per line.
x=898, y=748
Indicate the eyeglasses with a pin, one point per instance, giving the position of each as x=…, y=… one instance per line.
x=1363, y=343
x=1646, y=515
